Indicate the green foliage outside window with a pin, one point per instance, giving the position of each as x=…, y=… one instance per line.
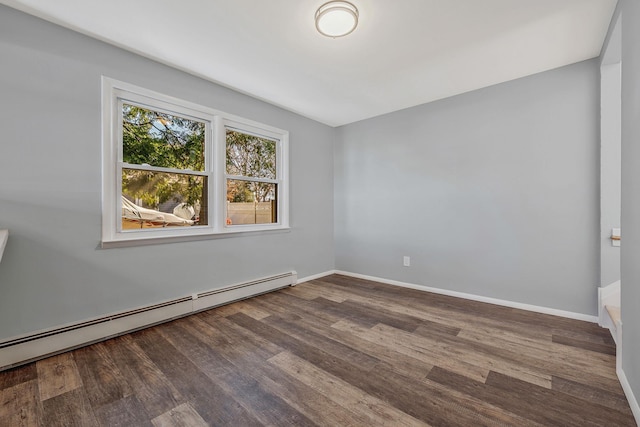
x=162, y=140
x=158, y=139
x=253, y=157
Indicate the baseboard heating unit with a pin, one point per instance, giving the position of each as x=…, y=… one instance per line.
x=37, y=345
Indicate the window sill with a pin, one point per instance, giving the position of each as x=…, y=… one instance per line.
x=125, y=242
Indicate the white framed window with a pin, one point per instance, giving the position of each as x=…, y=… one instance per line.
x=174, y=170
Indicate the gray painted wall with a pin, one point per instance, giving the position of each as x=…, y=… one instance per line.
x=630, y=250
x=610, y=158
x=50, y=187
x=493, y=192
x=610, y=150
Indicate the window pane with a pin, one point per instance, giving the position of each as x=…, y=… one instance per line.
x=251, y=202
x=157, y=199
x=161, y=139
x=251, y=156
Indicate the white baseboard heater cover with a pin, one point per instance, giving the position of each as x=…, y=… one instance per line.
x=29, y=347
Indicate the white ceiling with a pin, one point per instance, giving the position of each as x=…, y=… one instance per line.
x=403, y=53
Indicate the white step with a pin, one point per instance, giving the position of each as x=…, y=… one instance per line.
x=4, y=236
x=614, y=314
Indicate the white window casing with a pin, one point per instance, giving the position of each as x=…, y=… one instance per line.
x=114, y=94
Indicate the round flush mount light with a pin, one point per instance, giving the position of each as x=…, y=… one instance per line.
x=336, y=18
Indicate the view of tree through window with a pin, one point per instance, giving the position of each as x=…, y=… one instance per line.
x=174, y=170
x=251, y=179
x=163, y=178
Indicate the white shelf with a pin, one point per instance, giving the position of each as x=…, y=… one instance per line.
x=4, y=236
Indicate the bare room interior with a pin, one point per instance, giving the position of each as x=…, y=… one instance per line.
x=358, y=213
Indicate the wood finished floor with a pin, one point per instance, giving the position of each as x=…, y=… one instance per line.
x=335, y=352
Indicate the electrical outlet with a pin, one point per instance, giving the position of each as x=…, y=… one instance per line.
x=406, y=261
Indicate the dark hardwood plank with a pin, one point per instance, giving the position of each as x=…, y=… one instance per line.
x=365, y=314
x=482, y=355
x=331, y=311
x=362, y=379
x=296, y=346
x=213, y=404
x=294, y=328
x=310, y=292
x=458, y=408
x=102, y=380
x=285, y=304
x=429, y=308
x=592, y=414
x=574, y=362
x=180, y=416
x=592, y=394
x=57, y=375
x=525, y=399
x=150, y=386
x=224, y=333
x=251, y=310
x=366, y=302
x=481, y=311
x=247, y=354
x=537, y=364
x=321, y=409
x=479, y=390
x=586, y=345
x=20, y=405
x=124, y=412
x=69, y=409
x=15, y=376
x=594, y=336
x=405, y=365
x=267, y=408
x=396, y=320
x=416, y=349
x=350, y=397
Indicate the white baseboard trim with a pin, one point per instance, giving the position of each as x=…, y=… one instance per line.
x=633, y=402
x=33, y=346
x=316, y=276
x=472, y=297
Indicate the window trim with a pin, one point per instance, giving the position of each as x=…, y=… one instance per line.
x=114, y=92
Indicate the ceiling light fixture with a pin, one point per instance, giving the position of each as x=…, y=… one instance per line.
x=336, y=18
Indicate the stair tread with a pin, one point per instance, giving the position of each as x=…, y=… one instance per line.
x=614, y=313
